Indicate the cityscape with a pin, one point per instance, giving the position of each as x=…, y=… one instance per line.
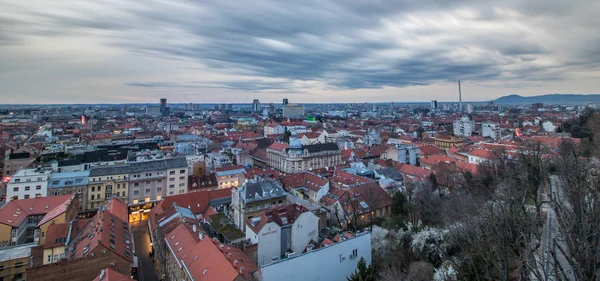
x=318, y=140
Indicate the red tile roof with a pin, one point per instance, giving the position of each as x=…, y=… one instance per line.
x=413, y=171
x=344, y=178
x=482, y=153
x=278, y=146
x=56, y=235
x=306, y=179
x=15, y=211
x=428, y=150
x=207, y=259
x=281, y=215
x=268, y=172
x=105, y=229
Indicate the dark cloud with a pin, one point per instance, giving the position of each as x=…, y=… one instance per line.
x=345, y=45
x=249, y=86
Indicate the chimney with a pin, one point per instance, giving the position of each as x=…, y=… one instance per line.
x=460, y=107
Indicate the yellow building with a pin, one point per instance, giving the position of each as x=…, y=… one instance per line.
x=444, y=141
x=106, y=181
x=14, y=261
x=27, y=220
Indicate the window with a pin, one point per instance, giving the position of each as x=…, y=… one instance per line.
x=171, y=172
x=18, y=264
x=17, y=180
x=135, y=192
x=181, y=184
x=92, y=196
x=159, y=189
x=26, y=196
x=93, y=188
x=38, y=187
x=14, y=232
x=16, y=189
x=118, y=186
x=250, y=208
x=354, y=254
x=136, y=184
x=171, y=186
x=123, y=194
x=49, y=257
x=147, y=182
x=182, y=171
x=159, y=181
x=147, y=190
x=27, y=188
x=181, y=178
x=171, y=179
x=181, y=191
x=92, y=206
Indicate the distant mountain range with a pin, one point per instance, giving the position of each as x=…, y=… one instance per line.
x=550, y=99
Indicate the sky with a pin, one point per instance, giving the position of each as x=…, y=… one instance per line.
x=309, y=51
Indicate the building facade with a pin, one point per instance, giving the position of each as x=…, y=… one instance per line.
x=404, y=153
x=28, y=183
x=463, y=127
x=334, y=262
x=282, y=230
x=293, y=110
x=104, y=182
x=253, y=197
x=490, y=129
x=296, y=158
x=70, y=183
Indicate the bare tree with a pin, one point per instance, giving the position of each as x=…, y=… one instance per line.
x=575, y=198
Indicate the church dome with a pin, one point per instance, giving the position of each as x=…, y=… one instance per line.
x=295, y=143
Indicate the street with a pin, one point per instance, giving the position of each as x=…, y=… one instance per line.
x=146, y=266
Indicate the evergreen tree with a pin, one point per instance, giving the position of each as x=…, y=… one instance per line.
x=363, y=272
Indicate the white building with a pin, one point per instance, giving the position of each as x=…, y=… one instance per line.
x=490, y=129
x=333, y=262
x=281, y=231
x=464, y=127
x=549, y=126
x=274, y=129
x=404, y=153
x=28, y=183
x=293, y=110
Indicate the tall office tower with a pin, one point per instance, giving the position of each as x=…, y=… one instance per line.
x=255, y=105
x=163, y=107
x=434, y=104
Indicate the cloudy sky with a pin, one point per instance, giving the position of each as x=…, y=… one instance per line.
x=126, y=51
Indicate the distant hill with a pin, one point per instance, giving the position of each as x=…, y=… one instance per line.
x=550, y=99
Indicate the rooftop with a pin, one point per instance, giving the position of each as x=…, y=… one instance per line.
x=262, y=189
x=16, y=252
x=15, y=211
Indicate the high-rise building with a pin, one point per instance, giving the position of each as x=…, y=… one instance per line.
x=285, y=101
x=164, y=110
x=434, y=104
x=490, y=129
x=470, y=108
x=293, y=110
x=256, y=105
x=464, y=127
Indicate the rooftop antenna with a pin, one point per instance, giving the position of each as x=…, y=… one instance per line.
x=460, y=107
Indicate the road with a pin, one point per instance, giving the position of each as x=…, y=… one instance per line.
x=146, y=266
